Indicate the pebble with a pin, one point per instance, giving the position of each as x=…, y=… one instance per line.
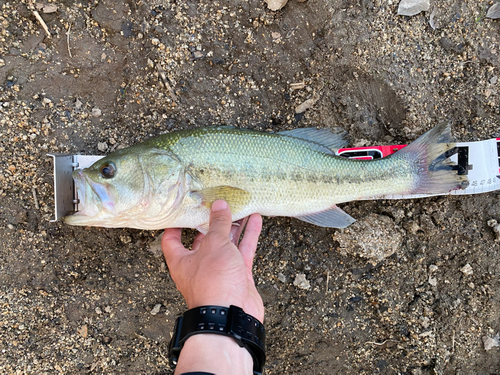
x=106, y=340
x=276, y=4
x=281, y=277
x=433, y=281
x=433, y=268
x=96, y=112
x=155, y=246
x=308, y=104
x=374, y=237
x=467, y=270
x=197, y=55
x=126, y=239
x=425, y=321
x=412, y=7
x=301, y=282
x=496, y=228
x=102, y=146
x=491, y=342
x=83, y=331
x=156, y=309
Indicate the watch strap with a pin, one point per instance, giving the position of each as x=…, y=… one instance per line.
x=228, y=321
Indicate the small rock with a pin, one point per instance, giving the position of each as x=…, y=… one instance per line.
x=494, y=79
x=275, y=35
x=107, y=309
x=197, y=55
x=433, y=281
x=126, y=239
x=301, y=282
x=496, y=228
x=374, y=237
x=494, y=11
x=491, y=342
x=425, y=321
x=276, y=4
x=155, y=246
x=102, y=146
x=96, y=112
x=433, y=268
x=49, y=8
x=281, y=277
x=413, y=7
x=297, y=85
x=156, y=309
x=106, y=340
x=98, y=310
x=78, y=104
x=309, y=103
x=467, y=270
x=83, y=331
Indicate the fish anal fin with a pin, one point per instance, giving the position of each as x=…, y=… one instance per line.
x=236, y=197
x=333, y=139
x=334, y=217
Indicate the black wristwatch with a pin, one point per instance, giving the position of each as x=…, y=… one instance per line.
x=233, y=321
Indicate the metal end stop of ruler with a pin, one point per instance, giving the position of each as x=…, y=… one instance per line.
x=65, y=194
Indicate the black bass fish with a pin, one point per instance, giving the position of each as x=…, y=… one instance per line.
x=172, y=180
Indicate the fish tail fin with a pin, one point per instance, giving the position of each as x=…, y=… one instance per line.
x=430, y=153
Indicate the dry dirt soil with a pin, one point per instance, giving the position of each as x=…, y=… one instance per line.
x=112, y=73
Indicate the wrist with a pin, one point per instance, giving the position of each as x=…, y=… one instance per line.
x=215, y=354
x=251, y=305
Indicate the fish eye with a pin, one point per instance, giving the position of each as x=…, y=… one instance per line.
x=108, y=170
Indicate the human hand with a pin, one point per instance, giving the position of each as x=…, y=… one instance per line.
x=217, y=271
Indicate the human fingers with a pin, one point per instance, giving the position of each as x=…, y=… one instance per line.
x=248, y=244
x=197, y=241
x=220, y=219
x=171, y=244
x=236, y=230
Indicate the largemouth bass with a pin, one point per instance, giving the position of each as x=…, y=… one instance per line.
x=172, y=180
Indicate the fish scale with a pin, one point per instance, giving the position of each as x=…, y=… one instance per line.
x=284, y=174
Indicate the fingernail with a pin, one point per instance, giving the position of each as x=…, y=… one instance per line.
x=219, y=205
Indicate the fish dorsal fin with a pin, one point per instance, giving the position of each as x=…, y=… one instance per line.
x=334, y=217
x=237, y=198
x=332, y=139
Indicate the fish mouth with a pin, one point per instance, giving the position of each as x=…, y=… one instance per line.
x=93, y=201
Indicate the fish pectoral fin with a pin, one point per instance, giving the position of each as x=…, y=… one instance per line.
x=332, y=139
x=236, y=197
x=203, y=228
x=334, y=217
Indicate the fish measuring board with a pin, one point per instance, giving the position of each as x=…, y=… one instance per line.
x=480, y=161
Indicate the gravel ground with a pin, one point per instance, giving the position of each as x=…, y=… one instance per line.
x=113, y=73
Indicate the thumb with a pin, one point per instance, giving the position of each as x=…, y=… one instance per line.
x=220, y=218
